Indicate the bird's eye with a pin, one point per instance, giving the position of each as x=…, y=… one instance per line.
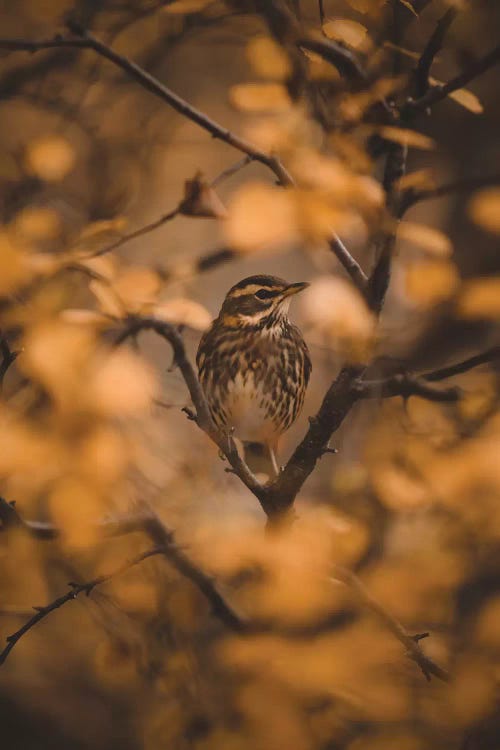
x=265, y=294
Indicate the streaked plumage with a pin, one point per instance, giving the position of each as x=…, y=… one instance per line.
x=253, y=363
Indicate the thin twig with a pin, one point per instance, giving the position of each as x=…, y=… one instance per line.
x=137, y=233
x=491, y=355
x=232, y=170
x=436, y=94
x=432, y=48
x=321, y=8
x=412, y=196
x=406, y=385
x=351, y=265
x=75, y=590
x=411, y=643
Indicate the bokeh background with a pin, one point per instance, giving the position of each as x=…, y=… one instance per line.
x=410, y=501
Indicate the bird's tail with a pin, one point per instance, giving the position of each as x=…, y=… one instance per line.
x=260, y=458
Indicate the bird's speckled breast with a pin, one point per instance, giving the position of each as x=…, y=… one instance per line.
x=254, y=380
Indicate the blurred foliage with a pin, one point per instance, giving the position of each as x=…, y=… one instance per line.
x=90, y=429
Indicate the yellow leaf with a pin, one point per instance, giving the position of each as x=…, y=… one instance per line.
x=183, y=311
x=136, y=287
x=484, y=209
x=56, y=354
x=261, y=216
x=421, y=179
x=397, y=489
x=464, y=97
x=428, y=238
x=12, y=265
x=480, y=298
x=37, y=223
x=336, y=310
x=121, y=384
x=268, y=59
x=75, y=506
x=344, y=30
x=108, y=300
x=260, y=97
x=427, y=283
x=406, y=137
x=50, y=158
x=319, y=69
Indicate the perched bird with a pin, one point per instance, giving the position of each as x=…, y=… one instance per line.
x=254, y=365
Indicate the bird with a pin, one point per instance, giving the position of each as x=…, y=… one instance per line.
x=254, y=365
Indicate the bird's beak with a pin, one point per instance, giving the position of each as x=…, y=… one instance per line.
x=299, y=286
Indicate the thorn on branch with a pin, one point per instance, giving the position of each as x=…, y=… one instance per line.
x=420, y=636
x=190, y=413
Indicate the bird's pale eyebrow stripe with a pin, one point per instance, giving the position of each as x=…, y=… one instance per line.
x=251, y=289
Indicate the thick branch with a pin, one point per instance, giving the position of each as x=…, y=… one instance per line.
x=438, y=93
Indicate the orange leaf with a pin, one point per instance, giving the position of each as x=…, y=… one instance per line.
x=344, y=30
x=484, y=209
x=50, y=158
x=464, y=97
x=260, y=97
x=480, y=298
x=428, y=238
x=268, y=59
x=406, y=137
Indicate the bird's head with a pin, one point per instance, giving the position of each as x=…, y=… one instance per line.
x=258, y=299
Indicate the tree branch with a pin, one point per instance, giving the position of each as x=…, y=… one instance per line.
x=490, y=355
x=202, y=417
x=164, y=541
x=412, y=196
x=85, y=40
x=411, y=642
x=432, y=48
x=351, y=265
x=8, y=357
x=136, y=233
x=437, y=93
x=75, y=590
x=408, y=384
